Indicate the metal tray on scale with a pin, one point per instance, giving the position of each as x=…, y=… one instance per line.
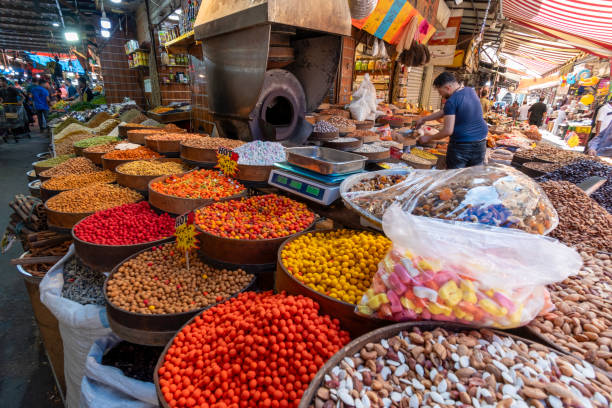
x=324, y=160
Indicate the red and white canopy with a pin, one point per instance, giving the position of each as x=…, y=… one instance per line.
x=586, y=24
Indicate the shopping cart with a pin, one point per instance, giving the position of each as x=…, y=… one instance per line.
x=13, y=121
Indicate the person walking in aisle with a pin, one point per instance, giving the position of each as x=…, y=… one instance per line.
x=463, y=122
x=40, y=96
x=523, y=111
x=537, y=112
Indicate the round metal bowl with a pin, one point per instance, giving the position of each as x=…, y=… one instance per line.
x=124, y=129
x=139, y=183
x=149, y=329
x=138, y=135
x=35, y=190
x=62, y=221
x=357, y=178
x=31, y=174
x=375, y=336
x=204, y=157
x=104, y=258
x=96, y=158
x=110, y=164
x=355, y=324
x=179, y=205
x=78, y=150
x=163, y=146
x=39, y=169
x=249, y=252
x=25, y=274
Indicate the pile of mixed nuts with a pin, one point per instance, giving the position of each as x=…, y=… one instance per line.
x=442, y=368
x=582, y=322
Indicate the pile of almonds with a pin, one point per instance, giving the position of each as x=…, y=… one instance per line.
x=441, y=368
x=582, y=222
x=582, y=321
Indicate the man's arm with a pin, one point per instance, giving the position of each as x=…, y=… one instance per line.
x=447, y=130
x=433, y=116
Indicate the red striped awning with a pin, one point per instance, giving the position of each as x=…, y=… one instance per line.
x=587, y=24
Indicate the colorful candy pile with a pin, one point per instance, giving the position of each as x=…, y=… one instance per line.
x=256, y=350
x=260, y=153
x=257, y=217
x=409, y=287
x=207, y=184
x=340, y=263
x=127, y=224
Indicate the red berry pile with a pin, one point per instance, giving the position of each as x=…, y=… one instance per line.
x=258, y=217
x=255, y=350
x=125, y=225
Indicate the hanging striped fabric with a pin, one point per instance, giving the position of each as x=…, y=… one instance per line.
x=587, y=24
x=389, y=19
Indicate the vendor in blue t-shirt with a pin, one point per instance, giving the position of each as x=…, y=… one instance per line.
x=463, y=122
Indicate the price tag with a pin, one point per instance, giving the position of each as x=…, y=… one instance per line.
x=185, y=234
x=227, y=161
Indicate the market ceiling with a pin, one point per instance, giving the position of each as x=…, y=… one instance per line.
x=36, y=25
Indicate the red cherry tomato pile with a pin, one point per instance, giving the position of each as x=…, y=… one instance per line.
x=256, y=350
x=257, y=217
x=125, y=225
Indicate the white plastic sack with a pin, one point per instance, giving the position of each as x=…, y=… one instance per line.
x=361, y=8
x=464, y=273
x=80, y=325
x=108, y=387
x=363, y=106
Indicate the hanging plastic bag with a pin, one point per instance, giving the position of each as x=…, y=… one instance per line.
x=79, y=325
x=108, y=387
x=361, y=8
x=458, y=272
x=363, y=106
x=494, y=195
x=375, y=49
x=383, y=50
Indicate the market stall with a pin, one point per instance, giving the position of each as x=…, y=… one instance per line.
x=308, y=253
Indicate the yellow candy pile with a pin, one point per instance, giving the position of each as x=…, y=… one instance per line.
x=339, y=263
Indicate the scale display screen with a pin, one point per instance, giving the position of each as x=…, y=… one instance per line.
x=299, y=186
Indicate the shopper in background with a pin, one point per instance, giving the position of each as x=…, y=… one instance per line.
x=85, y=90
x=537, y=113
x=72, y=91
x=513, y=110
x=8, y=93
x=485, y=103
x=604, y=116
x=561, y=116
x=40, y=96
x=601, y=145
x=523, y=111
x=58, y=72
x=463, y=122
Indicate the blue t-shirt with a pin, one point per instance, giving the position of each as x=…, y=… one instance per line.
x=72, y=91
x=39, y=96
x=469, y=123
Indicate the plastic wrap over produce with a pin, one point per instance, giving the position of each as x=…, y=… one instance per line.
x=495, y=195
x=459, y=272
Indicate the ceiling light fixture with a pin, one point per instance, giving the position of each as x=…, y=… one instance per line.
x=105, y=33
x=178, y=11
x=174, y=17
x=116, y=1
x=55, y=24
x=104, y=21
x=71, y=36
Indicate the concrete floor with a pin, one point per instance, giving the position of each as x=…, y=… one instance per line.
x=26, y=379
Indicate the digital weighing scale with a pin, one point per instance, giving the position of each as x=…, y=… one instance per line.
x=320, y=188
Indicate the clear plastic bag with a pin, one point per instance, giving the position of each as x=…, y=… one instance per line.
x=494, y=195
x=441, y=270
x=363, y=105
